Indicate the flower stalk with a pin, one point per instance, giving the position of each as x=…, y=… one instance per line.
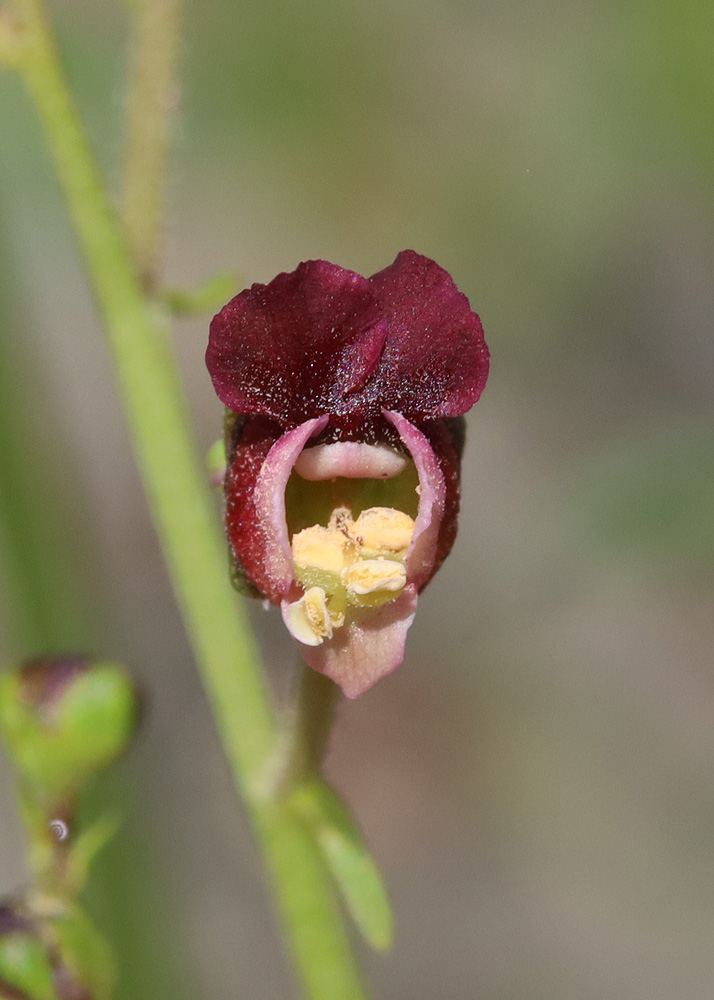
x=137, y=329
x=303, y=743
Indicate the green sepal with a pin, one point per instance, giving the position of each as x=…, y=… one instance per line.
x=354, y=871
x=216, y=462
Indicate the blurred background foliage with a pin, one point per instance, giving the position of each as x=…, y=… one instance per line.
x=537, y=779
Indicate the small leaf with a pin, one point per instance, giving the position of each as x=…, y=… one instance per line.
x=353, y=869
x=208, y=298
x=86, y=847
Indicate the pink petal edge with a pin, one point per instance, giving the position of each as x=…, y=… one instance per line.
x=269, y=499
x=422, y=550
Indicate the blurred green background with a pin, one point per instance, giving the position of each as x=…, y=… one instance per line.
x=538, y=778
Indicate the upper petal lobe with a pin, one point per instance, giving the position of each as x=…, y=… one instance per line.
x=294, y=348
x=435, y=361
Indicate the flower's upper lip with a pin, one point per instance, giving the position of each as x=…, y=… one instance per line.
x=323, y=339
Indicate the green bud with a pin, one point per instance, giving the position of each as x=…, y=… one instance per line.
x=24, y=965
x=65, y=720
x=51, y=951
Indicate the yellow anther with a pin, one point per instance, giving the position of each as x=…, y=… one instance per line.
x=308, y=619
x=358, y=563
x=317, y=613
x=370, y=576
x=383, y=531
x=321, y=549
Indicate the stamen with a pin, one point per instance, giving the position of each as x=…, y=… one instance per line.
x=308, y=618
x=368, y=576
x=383, y=531
x=358, y=563
x=321, y=549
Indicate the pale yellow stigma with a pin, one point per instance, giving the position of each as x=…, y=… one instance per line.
x=308, y=619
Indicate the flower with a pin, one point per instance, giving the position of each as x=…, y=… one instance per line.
x=343, y=443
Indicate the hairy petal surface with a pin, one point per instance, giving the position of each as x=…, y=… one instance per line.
x=269, y=499
x=435, y=361
x=247, y=450
x=296, y=347
x=368, y=647
x=422, y=550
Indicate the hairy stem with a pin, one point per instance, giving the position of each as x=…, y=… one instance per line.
x=153, y=92
x=138, y=335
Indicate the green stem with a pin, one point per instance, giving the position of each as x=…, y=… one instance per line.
x=138, y=334
x=50, y=581
x=308, y=907
x=153, y=90
x=181, y=505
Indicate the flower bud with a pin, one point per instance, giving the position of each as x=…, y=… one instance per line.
x=24, y=965
x=64, y=720
x=51, y=951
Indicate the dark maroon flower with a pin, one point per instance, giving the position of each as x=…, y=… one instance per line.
x=343, y=446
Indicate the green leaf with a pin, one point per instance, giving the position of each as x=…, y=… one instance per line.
x=352, y=867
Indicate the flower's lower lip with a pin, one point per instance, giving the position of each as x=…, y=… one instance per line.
x=349, y=460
